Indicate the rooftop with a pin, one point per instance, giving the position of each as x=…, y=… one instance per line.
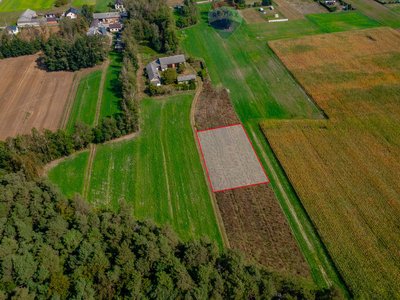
x=186, y=78
x=106, y=15
x=117, y=25
x=172, y=60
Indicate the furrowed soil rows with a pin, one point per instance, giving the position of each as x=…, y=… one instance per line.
x=346, y=169
x=252, y=216
x=30, y=97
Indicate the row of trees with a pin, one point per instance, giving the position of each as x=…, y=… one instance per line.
x=58, y=248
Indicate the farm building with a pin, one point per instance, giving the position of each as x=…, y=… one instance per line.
x=186, y=78
x=97, y=30
x=110, y=17
x=29, y=18
x=71, y=13
x=12, y=30
x=118, y=4
x=261, y=9
x=51, y=20
x=115, y=27
x=50, y=15
x=163, y=64
x=330, y=2
x=153, y=74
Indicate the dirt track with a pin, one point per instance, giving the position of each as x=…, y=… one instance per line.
x=30, y=97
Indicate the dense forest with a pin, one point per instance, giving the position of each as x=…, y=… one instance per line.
x=58, y=248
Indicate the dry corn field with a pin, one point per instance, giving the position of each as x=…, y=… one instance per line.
x=346, y=169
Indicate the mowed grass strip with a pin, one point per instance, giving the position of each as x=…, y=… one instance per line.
x=84, y=108
x=20, y=5
x=110, y=103
x=159, y=171
x=260, y=87
x=83, y=2
x=69, y=175
x=342, y=21
x=346, y=169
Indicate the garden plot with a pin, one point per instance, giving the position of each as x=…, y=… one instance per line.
x=230, y=158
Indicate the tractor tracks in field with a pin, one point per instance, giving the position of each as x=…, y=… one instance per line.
x=214, y=203
x=70, y=101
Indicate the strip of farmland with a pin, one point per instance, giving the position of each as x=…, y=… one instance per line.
x=346, y=169
x=155, y=158
x=261, y=87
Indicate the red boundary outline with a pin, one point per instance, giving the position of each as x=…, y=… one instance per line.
x=202, y=154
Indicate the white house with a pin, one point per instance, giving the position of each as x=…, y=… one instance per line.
x=115, y=27
x=261, y=9
x=71, y=13
x=12, y=30
x=118, y=4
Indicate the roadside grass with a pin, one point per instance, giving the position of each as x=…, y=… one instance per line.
x=69, y=175
x=159, y=171
x=342, y=21
x=83, y=2
x=110, y=103
x=282, y=30
x=378, y=12
x=20, y=5
x=261, y=88
x=84, y=108
x=345, y=169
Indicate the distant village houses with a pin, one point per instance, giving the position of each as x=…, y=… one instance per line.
x=72, y=13
x=12, y=30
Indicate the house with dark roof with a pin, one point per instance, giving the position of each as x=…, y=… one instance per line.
x=51, y=20
x=72, y=13
x=153, y=74
x=12, y=30
x=110, y=17
x=115, y=27
x=186, y=78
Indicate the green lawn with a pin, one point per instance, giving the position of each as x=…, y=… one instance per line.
x=282, y=30
x=378, y=12
x=70, y=174
x=102, y=5
x=84, y=108
x=342, y=21
x=112, y=90
x=260, y=88
x=19, y=5
x=159, y=171
x=83, y=2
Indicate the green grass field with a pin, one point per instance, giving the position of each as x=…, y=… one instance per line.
x=102, y=5
x=83, y=2
x=378, y=12
x=70, y=174
x=394, y=7
x=342, y=21
x=84, y=108
x=260, y=88
x=20, y=5
x=282, y=30
x=112, y=91
x=159, y=171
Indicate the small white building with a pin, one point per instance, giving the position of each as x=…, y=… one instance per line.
x=71, y=13
x=271, y=7
x=261, y=9
x=12, y=30
x=276, y=16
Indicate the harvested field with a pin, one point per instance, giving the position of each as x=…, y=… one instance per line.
x=230, y=158
x=253, y=218
x=254, y=16
x=30, y=96
x=346, y=169
x=297, y=9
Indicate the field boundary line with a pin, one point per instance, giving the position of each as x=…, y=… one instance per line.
x=103, y=77
x=70, y=101
x=88, y=171
x=214, y=203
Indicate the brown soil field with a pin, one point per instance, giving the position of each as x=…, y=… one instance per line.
x=30, y=96
x=252, y=16
x=253, y=219
x=346, y=169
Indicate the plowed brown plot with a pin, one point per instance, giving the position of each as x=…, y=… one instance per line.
x=252, y=217
x=30, y=97
x=346, y=169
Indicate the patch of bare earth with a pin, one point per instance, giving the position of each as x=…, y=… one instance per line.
x=252, y=217
x=297, y=9
x=30, y=96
